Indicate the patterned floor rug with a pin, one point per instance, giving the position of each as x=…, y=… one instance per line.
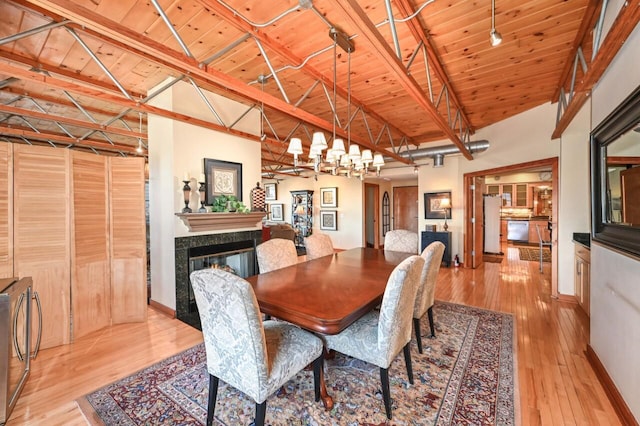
x=465, y=376
x=533, y=254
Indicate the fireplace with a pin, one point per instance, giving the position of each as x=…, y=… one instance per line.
x=232, y=251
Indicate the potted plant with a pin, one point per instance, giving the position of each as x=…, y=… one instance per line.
x=228, y=203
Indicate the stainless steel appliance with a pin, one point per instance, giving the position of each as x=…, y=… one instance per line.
x=518, y=230
x=16, y=338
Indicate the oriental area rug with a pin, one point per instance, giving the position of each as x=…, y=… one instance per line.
x=533, y=254
x=466, y=375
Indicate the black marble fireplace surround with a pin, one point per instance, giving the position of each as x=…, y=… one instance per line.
x=184, y=246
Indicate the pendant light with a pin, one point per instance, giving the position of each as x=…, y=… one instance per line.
x=494, y=35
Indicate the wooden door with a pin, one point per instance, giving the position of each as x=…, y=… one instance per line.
x=478, y=225
x=128, y=240
x=372, y=214
x=6, y=211
x=90, y=277
x=630, y=186
x=42, y=234
x=405, y=208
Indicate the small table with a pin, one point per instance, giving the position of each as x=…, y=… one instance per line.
x=327, y=294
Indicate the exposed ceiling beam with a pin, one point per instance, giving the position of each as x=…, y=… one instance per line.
x=67, y=74
x=72, y=121
x=420, y=35
x=61, y=102
x=353, y=13
x=294, y=60
x=159, y=53
x=118, y=100
x=590, y=16
x=624, y=24
x=44, y=137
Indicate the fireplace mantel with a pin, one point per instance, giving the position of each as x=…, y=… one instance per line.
x=216, y=221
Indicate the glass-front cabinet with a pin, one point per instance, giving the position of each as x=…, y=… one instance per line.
x=302, y=214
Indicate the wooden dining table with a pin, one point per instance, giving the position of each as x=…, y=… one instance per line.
x=327, y=294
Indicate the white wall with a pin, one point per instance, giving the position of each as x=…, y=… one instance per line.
x=176, y=148
x=523, y=138
x=615, y=296
x=350, y=210
x=574, y=195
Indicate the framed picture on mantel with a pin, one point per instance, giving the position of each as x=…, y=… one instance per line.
x=222, y=178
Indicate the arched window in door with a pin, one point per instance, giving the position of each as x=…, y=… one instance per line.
x=386, y=220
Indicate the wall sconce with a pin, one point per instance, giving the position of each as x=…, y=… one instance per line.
x=445, y=204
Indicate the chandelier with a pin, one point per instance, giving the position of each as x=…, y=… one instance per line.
x=339, y=159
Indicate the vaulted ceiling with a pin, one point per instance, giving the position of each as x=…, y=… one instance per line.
x=79, y=73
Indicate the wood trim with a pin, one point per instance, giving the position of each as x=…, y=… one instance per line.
x=163, y=309
x=624, y=161
x=353, y=13
x=217, y=221
x=621, y=408
x=622, y=27
x=567, y=298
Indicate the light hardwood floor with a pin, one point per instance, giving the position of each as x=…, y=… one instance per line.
x=557, y=386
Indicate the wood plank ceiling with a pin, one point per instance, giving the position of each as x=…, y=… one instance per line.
x=77, y=73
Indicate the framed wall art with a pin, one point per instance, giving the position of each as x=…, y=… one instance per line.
x=222, y=178
x=328, y=220
x=328, y=197
x=270, y=191
x=276, y=212
x=432, y=205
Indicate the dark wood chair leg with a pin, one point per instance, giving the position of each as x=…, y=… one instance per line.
x=261, y=412
x=416, y=327
x=386, y=394
x=317, y=368
x=433, y=329
x=407, y=361
x=213, y=395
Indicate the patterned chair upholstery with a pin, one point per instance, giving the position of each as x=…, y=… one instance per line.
x=254, y=357
x=401, y=240
x=379, y=336
x=318, y=245
x=276, y=254
x=432, y=255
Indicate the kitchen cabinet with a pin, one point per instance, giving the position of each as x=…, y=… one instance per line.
x=521, y=198
x=444, y=237
x=544, y=231
x=583, y=276
x=513, y=194
x=503, y=231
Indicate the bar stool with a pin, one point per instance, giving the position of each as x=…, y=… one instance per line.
x=542, y=244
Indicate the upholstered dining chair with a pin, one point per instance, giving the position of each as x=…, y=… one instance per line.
x=401, y=240
x=379, y=336
x=318, y=245
x=275, y=254
x=425, y=297
x=253, y=356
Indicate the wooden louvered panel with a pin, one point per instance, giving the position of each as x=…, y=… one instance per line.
x=128, y=240
x=90, y=279
x=6, y=213
x=42, y=233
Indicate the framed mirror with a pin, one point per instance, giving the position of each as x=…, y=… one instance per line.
x=615, y=178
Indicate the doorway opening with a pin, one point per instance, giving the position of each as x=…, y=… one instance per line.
x=475, y=188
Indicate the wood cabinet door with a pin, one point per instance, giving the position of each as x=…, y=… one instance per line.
x=6, y=211
x=128, y=240
x=41, y=212
x=91, y=272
